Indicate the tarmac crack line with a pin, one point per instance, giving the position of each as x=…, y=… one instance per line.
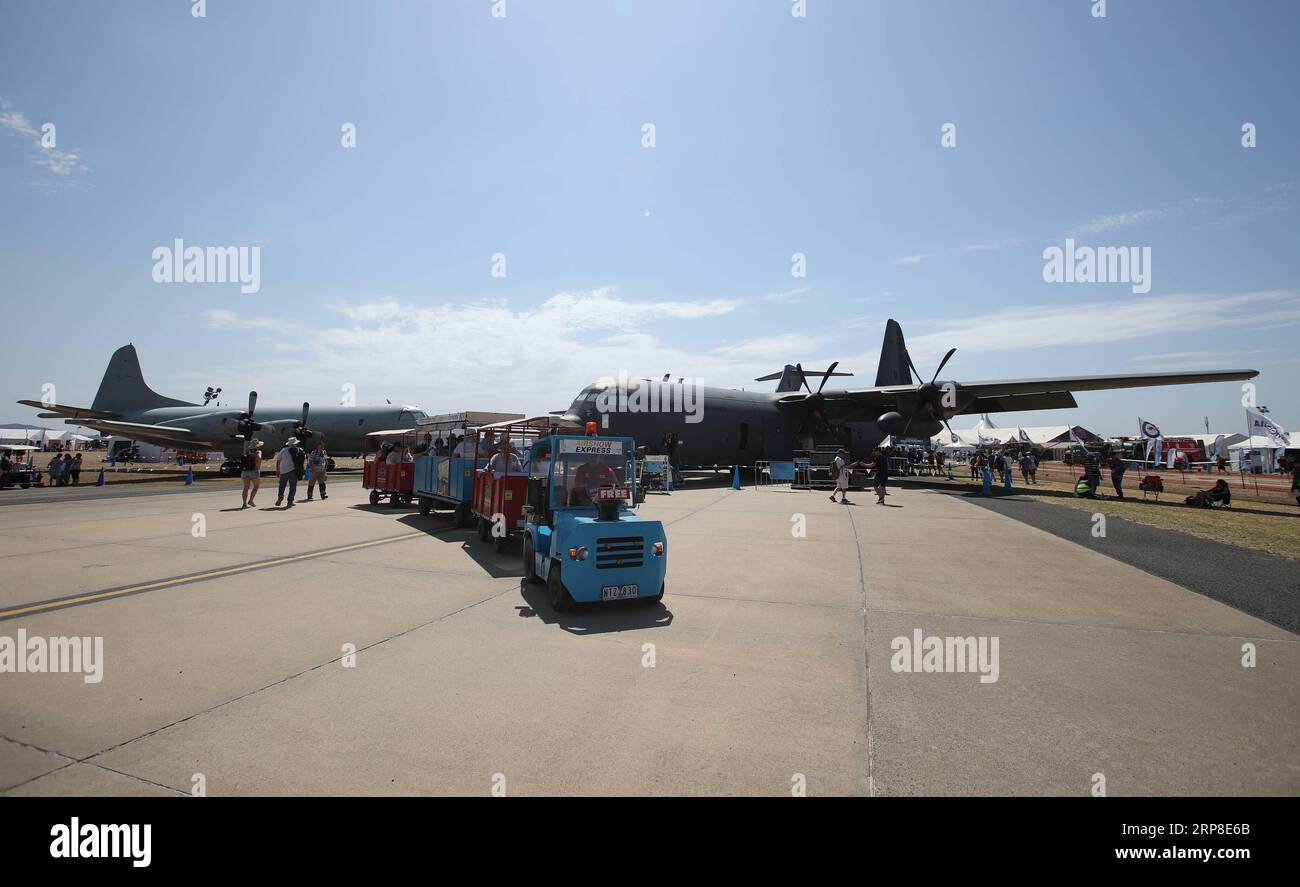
x=1108, y=626
x=866, y=661
x=84, y=598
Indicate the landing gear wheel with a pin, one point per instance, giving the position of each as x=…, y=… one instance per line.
x=394, y=500
x=374, y=497
x=656, y=598
x=426, y=505
x=462, y=514
x=560, y=599
x=484, y=530
x=530, y=575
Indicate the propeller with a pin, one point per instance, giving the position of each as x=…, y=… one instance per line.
x=247, y=425
x=928, y=399
x=300, y=427
x=814, y=398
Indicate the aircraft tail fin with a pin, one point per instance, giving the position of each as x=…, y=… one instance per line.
x=123, y=388
x=895, y=365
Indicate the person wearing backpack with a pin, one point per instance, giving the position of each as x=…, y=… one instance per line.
x=318, y=463
x=289, y=464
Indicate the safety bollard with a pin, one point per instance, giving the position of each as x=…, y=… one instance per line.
x=99, y=481
x=988, y=482
x=735, y=478
x=189, y=476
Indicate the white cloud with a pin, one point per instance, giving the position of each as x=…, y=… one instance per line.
x=912, y=260
x=990, y=247
x=782, y=348
x=485, y=354
x=1095, y=323
x=220, y=318
x=54, y=161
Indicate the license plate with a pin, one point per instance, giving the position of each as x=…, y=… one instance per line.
x=618, y=592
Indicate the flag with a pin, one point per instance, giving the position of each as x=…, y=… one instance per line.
x=1263, y=426
x=1024, y=438
x=1154, y=438
x=1220, y=445
x=1075, y=437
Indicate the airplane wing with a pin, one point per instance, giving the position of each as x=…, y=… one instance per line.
x=59, y=411
x=1015, y=387
x=167, y=434
x=1019, y=387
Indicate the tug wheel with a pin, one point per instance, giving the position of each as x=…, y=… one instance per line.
x=560, y=599
x=530, y=574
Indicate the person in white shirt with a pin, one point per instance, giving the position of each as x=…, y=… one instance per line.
x=464, y=449
x=840, y=471
x=504, y=459
x=286, y=466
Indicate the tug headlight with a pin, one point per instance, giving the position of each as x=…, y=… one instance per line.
x=658, y=549
x=582, y=553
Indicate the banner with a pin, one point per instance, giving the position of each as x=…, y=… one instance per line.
x=1154, y=439
x=1263, y=426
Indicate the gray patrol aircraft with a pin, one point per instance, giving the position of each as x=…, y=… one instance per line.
x=126, y=407
x=727, y=426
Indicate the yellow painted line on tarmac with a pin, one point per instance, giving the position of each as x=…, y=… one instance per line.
x=108, y=594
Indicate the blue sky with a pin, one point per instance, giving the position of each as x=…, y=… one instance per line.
x=774, y=135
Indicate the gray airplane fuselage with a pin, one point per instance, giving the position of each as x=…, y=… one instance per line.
x=343, y=430
x=725, y=426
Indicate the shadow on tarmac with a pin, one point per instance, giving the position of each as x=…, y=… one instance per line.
x=592, y=619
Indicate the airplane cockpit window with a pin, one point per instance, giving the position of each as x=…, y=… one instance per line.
x=585, y=403
x=410, y=415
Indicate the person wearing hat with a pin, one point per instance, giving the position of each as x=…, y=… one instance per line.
x=250, y=469
x=840, y=471
x=288, y=463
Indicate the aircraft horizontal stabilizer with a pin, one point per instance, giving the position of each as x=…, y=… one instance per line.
x=142, y=431
x=59, y=411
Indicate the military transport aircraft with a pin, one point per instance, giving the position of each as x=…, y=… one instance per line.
x=731, y=427
x=125, y=406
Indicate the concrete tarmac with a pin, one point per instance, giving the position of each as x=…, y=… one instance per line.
x=767, y=666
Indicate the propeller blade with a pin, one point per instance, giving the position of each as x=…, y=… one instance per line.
x=947, y=357
x=912, y=367
x=252, y=403
x=305, y=407
x=802, y=378
x=951, y=436
x=827, y=376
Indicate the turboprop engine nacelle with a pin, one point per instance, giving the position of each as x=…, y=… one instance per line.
x=920, y=426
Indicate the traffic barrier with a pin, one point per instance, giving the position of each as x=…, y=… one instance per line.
x=735, y=477
x=99, y=481
x=189, y=476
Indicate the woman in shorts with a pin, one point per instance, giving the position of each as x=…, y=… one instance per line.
x=250, y=469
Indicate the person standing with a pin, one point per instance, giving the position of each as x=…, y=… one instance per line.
x=1117, y=469
x=286, y=467
x=840, y=470
x=881, y=464
x=250, y=470
x=54, y=471
x=75, y=467
x=318, y=464
x=1026, y=465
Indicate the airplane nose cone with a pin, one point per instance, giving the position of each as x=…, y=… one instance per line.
x=572, y=417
